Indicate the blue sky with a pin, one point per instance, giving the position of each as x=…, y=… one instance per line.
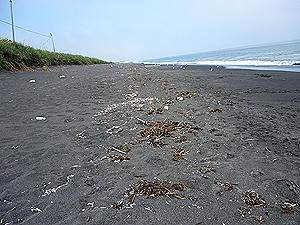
x=133, y=30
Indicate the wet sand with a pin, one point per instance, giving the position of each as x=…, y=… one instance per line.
x=241, y=136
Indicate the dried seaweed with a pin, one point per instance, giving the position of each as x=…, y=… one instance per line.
x=168, y=101
x=226, y=187
x=253, y=199
x=154, y=111
x=218, y=110
x=153, y=141
x=258, y=219
x=185, y=114
x=181, y=139
x=288, y=206
x=140, y=176
x=207, y=169
x=118, y=158
x=243, y=211
x=119, y=205
x=185, y=94
x=178, y=155
x=157, y=130
x=155, y=189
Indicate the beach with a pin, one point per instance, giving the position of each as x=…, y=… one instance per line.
x=214, y=145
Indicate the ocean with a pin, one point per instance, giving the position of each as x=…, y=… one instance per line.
x=276, y=56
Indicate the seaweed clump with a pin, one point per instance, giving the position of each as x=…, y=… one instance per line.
x=178, y=155
x=253, y=199
x=157, y=130
x=118, y=158
x=288, y=206
x=153, y=189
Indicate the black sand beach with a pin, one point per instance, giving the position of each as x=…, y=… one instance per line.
x=223, y=147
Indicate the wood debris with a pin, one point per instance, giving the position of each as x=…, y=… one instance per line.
x=120, y=148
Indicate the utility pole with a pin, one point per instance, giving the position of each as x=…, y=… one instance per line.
x=12, y=21
x=52, y=42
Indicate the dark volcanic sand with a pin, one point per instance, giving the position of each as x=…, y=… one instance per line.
x=55, y=171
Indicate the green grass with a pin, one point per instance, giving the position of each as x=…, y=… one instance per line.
x=15, y=56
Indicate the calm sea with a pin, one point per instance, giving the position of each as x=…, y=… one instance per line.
x=279, y=56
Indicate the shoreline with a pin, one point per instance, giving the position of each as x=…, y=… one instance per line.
x=286, y=68
x=236, y=131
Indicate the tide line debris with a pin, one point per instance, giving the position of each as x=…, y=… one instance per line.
x=134, y=102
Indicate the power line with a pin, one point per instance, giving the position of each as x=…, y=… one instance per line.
x=45, y=41
x=25, y=29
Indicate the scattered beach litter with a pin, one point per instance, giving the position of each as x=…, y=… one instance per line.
x=53, y=190
x=135, y=102
x=34, y=209
x=114, y=130
x=81, y=135
x=40, y=118
x=32, y=81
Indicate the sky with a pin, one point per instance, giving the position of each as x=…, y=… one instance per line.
x=135, y=30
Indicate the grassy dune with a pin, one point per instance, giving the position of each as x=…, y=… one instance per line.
x=15, y=56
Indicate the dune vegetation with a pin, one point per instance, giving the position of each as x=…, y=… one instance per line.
x=15, y=56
